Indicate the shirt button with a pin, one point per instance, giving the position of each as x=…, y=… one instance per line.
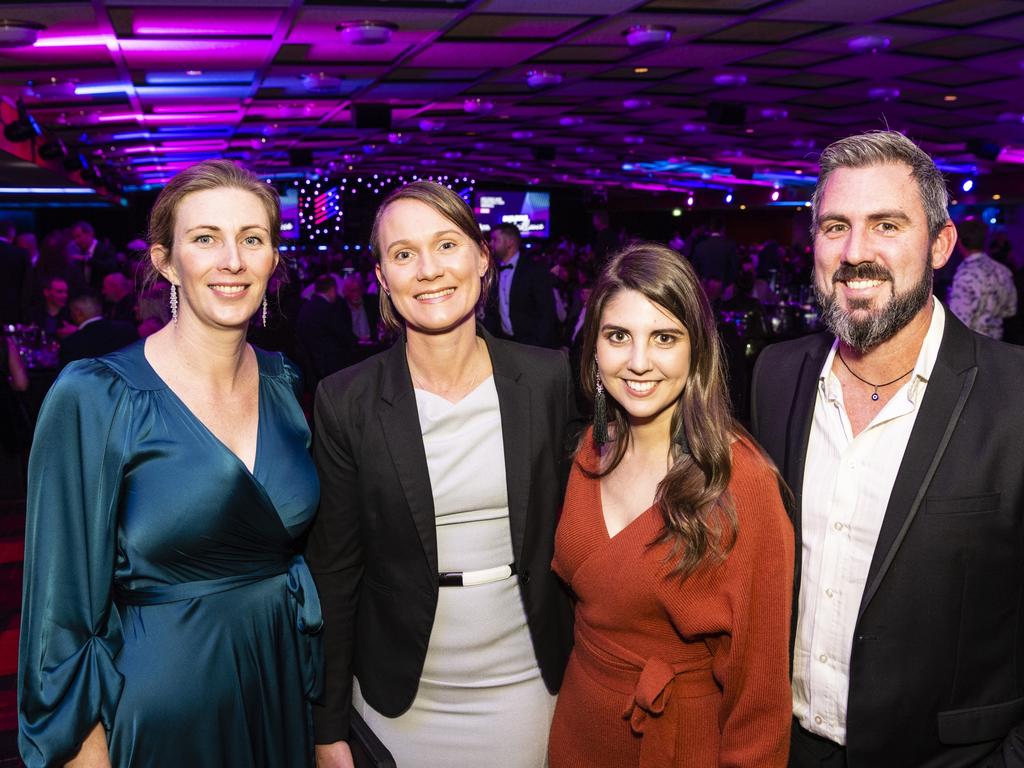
x=837, y=526
x=823, y=658
x=819, y=719
x=829, y=592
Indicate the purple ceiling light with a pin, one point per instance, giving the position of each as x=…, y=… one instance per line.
x=367, y=32
x=542, y=78
x=883, y=93
x=634, y=103
x=431, y=125
x=774, y=113
x=648, y=34
x=52, y=88
x=730, y=79
x=568, y=121
x=868, y=43
x=477, y=106
x=321, y=82
x=15, y=33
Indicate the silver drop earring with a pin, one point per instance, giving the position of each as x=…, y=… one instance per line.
x=264, y=310
x=174, y=303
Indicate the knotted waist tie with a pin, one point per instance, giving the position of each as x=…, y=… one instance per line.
x=654, y=688
x=301, y=591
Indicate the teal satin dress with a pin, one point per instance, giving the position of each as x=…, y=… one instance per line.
x=163, y=594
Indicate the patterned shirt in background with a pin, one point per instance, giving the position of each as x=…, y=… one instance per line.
x=983, y=294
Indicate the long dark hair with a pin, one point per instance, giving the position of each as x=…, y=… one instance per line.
x=699, y=517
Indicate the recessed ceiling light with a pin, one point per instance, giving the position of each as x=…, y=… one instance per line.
x=477, y=106
x=868, y=43
x=541, y=78
x=648, y=34
x=640, y=70
x=997, y=197
x=949, y=97
x=636, y=103
x=774, y=113
x=15, y=33
x=730, y=78
x=320, y=82
x=366, y=32
x=884, y=94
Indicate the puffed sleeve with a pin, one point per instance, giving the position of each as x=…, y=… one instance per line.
x=70, y=631
x=753, y=664
x=335, y=556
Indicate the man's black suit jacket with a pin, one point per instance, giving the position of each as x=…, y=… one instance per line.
x=937, y=664
x=531, y=305
x=324, y=341
x=96, y=339
x=373, y=546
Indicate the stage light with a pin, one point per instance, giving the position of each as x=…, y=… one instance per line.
x=968, y=185
x=689, y=200
x=24, y=128
x=775, y=195
x=53, y=150
x=728, y=198
x=677, y=212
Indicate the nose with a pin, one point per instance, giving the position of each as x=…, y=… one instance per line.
x=639, y=359
x=856, y=249
x=231, y=257
x=428, y=266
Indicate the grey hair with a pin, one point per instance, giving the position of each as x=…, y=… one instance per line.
x=886, y=148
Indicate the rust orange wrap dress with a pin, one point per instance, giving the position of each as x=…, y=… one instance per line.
x=671, y=674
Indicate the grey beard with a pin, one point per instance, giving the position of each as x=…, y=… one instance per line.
x=877, y=327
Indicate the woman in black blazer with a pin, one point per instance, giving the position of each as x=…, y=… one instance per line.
x=443, y=462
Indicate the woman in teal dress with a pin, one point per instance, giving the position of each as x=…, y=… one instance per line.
x=167, y=620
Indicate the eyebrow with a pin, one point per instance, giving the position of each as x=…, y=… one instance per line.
x=610, y=327
x=215, y=228
x=435, y=236
x=895, y=215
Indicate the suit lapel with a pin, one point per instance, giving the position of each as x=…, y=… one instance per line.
x=948, y=388
x=400, y=422
x=514, y=404
x=801, y=414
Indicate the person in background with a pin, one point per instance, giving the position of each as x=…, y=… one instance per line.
x=443, y=462
x=674, y=541
x=14, y=269
x=90, y=259
x=716, y=259
x=52, y=316
x=152, y=310
x=523, y=304
x=13, y=367
x=364, y=308
x=95, y=334
x=324, y=339
x=167, y=618
x=118, y=298
x=983, y=294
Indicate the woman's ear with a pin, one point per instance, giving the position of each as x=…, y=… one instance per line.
x=380, y=278
x=158, y=255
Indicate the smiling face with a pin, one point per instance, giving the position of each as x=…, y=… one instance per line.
x=873, y=258
x=222, y=258
x=431, y=268
x=643, y=357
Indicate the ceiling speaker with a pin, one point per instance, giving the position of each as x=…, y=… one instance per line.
x=376, y=116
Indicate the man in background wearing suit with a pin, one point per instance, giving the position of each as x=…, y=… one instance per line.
x=523, y=307
x=14, y=266
x=89, y=260
x=324, y=339
x=899, y=434
x=96, y=335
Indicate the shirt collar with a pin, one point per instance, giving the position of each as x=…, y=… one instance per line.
x=828, y=382
x=90, y=321
x=513, y=261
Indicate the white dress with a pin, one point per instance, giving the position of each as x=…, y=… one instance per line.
x=481, y=700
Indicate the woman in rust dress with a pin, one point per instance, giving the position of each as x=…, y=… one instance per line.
x=674, y=541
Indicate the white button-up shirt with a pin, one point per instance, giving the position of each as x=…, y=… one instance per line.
x=505, y=276
x=846, y=489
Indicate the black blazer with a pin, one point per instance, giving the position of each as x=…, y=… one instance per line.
x=937, y=664
x=373, y=546
x=531, y=305
x=96, y=339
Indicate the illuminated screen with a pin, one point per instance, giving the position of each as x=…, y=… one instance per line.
x=290, y=213
x=530, y=211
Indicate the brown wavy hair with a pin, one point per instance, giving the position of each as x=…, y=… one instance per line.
x=699, y=518
x=447, y=203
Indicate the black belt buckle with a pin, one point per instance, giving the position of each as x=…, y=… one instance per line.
x=454, y=578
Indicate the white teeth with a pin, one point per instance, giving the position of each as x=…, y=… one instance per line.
x=641, y=386
x=436, y=294
x=859, y=285
x=228, y=288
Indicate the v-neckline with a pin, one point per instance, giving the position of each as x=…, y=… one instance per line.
x=609, y=536
x=191, y=414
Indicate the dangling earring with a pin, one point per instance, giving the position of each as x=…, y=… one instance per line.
x=600, y=409
x=174, y=303
x=264, y=310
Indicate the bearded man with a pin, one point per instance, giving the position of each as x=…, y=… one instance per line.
x=900, y=435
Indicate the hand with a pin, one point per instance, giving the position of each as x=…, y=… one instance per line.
x=336, y=755
x=66, y=330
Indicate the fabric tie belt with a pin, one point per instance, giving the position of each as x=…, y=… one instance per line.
x=303, y=598
x=474, y=578
x=654, y=688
